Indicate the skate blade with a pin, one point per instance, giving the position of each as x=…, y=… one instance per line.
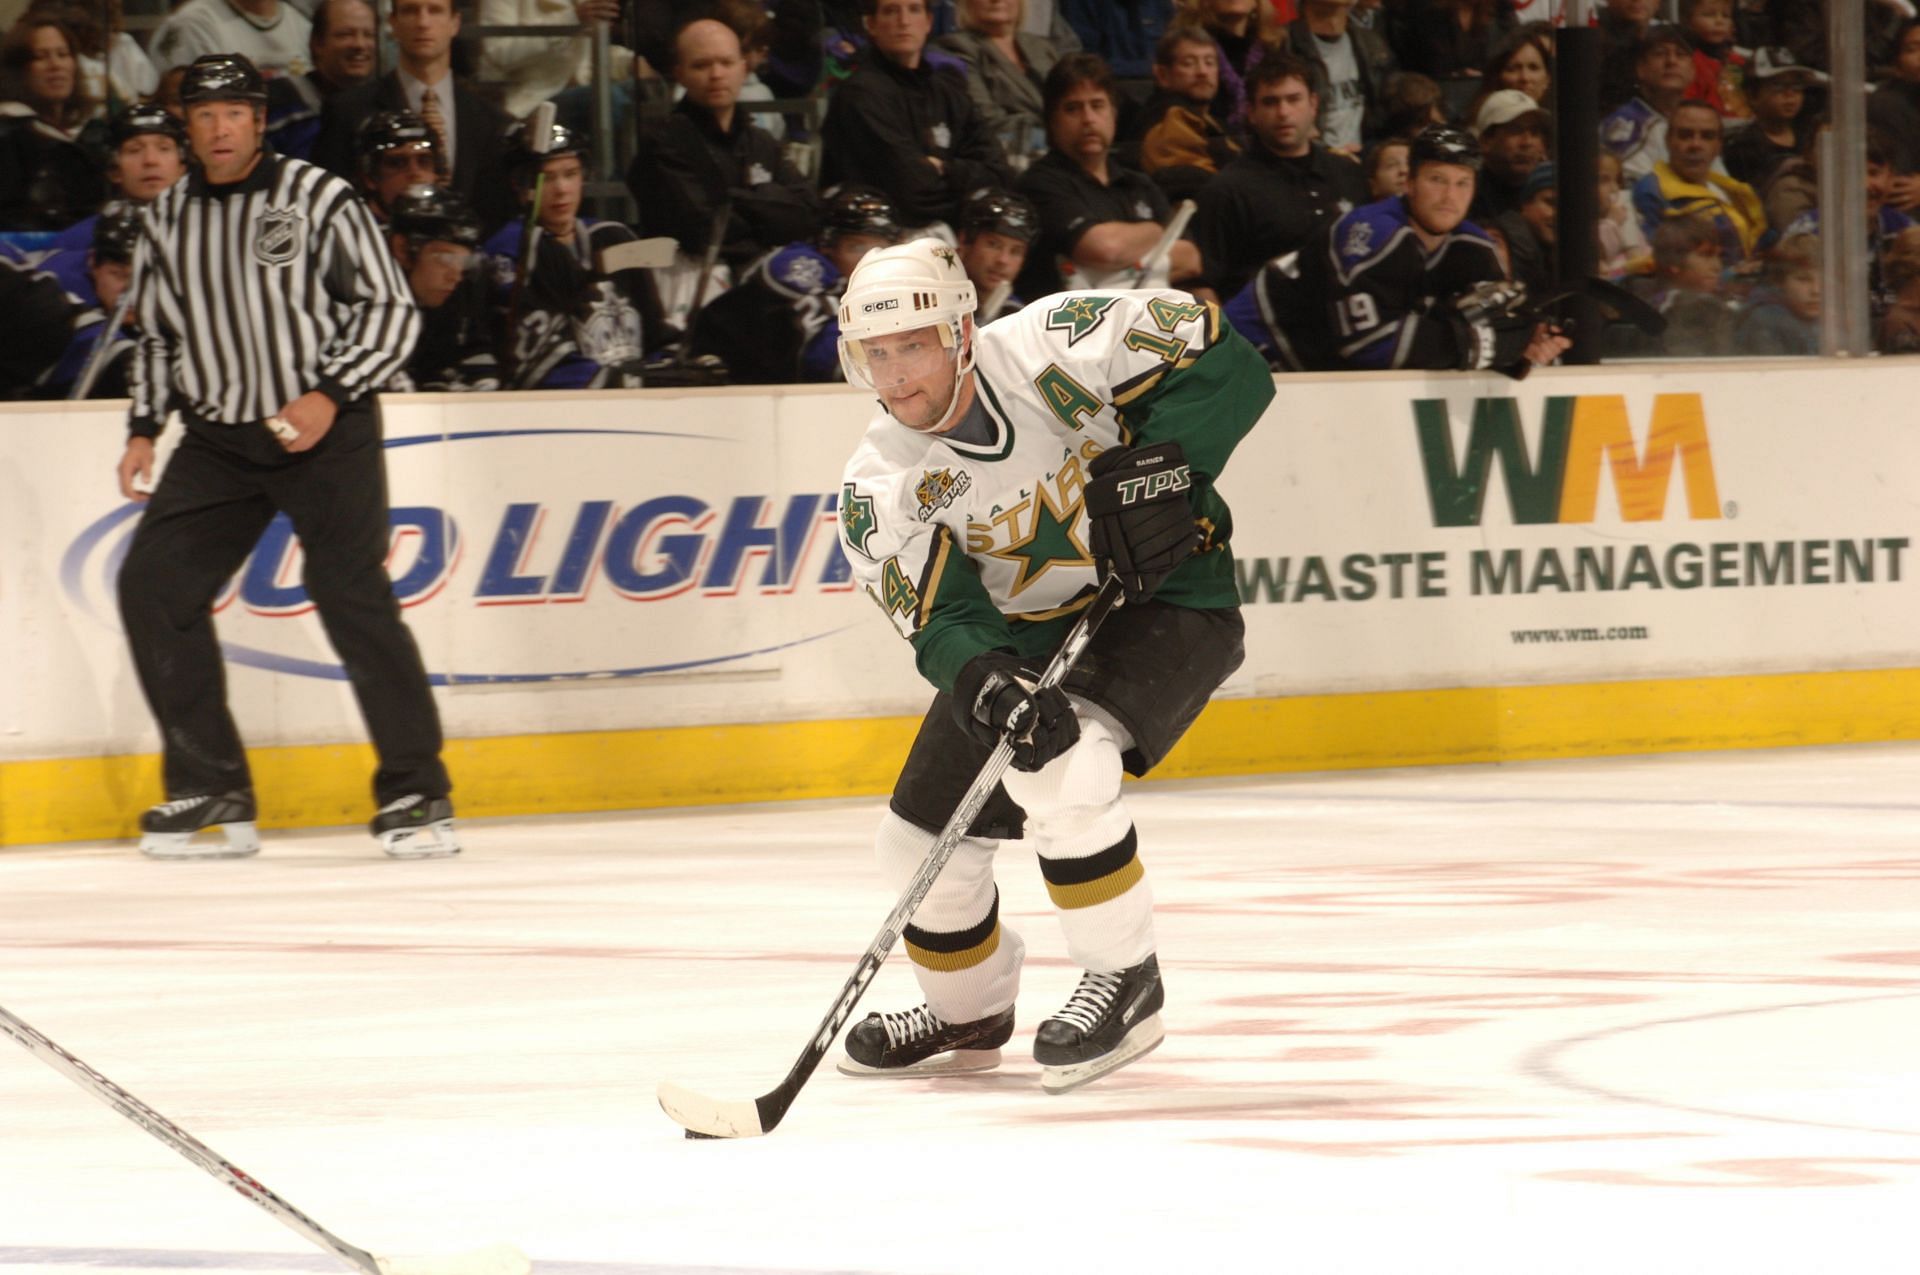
x=241, y=840
x=1136, y=1044
x=952, y=1063
x=435, y=841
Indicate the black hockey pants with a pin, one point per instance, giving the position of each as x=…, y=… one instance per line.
x=220, y=490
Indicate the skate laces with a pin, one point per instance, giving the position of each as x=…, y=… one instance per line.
x=180, y=805
x=913, y=1024
x=1091, y=1000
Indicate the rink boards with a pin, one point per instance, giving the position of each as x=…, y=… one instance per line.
x=632, y=599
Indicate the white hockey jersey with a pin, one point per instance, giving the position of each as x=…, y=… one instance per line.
x=970, y=546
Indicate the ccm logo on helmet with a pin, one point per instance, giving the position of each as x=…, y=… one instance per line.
x=891, y=303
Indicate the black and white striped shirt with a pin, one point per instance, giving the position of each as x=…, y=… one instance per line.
x=252, y=294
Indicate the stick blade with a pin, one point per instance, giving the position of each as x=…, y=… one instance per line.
x=707, y=1117
x=495, y=1259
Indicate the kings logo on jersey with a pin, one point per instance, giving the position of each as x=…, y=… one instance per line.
x=937, y=490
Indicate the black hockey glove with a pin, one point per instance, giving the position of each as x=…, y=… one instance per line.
x=995, y=695
x=1493, y=323
x=1141, y=511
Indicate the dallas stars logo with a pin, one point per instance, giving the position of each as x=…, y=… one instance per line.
x=857, y=522
x=1078, y=316
x=947, y=255
x=1048, y=541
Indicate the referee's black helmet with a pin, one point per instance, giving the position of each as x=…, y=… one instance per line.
x=223, y=77
x=430, y=214
x=142, y=118
x=117, y=233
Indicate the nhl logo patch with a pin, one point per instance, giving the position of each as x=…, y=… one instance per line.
x=277, y=241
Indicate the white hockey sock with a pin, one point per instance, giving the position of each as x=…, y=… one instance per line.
x=967, y=963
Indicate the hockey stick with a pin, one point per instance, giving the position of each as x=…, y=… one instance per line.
x=499, y=1259
x=990, y=308
x=539, y=141
x=97, y=356
x=1176, y=226
x=704, y=1117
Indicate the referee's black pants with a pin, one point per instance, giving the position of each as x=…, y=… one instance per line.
x=220, y=490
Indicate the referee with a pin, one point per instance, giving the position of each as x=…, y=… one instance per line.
x=269, y=310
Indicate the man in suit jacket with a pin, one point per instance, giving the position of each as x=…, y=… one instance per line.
x=470, y=128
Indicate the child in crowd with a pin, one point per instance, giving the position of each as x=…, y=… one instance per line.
x=1623, y=245
x=1783, y=315
x=1386, y=167
x=1719, y=68
x=1899, y=330
x=1687, y=264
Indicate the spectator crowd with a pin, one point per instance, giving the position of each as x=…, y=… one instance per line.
x=1370, y=181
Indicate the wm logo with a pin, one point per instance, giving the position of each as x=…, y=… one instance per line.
x=1579, y=438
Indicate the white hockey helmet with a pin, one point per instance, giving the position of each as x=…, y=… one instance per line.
x=898, y=289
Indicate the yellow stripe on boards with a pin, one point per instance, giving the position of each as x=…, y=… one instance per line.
x=95, y=798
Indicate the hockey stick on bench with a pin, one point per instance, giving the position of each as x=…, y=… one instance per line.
x=704, y=1117
x=500, y=1259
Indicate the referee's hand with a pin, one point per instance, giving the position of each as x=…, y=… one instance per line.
x=136, y=466
x=311, y=416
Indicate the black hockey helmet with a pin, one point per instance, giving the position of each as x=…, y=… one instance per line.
x=384, y=131
x=117, y=233
x=223, y=77
x=857, y=210
x=1443, y=144
x=523, y=162
x=993, y=211
x=143, y=118
x=425, y=214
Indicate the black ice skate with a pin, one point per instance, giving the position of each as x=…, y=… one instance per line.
x=167, y=830
x=1110, y=1020
x=416, y=827
x=916, y=1043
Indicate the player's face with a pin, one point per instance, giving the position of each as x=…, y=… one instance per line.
x=710, y=65
x=899, y=28
x=560, y=199
x=50, y=73
x=1693, y=142
x=1082, y=124
x=1439, y=195
x=424, y=29
x=1194, y=72
x=148, y=164
x=225, y=137
x=110, y=280
x=991, y=259
x=1801, y=291
x=848, y=251
x=1281, y=115
x=914, y=375
x=345, y=55
x=1526, y=70
x=436, y=270
x=414, y=164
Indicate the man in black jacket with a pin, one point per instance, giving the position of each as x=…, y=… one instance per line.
x=899, y=125
x=1286, y=189
x=708, y=153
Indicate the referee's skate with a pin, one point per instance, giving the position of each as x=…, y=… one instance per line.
x=416, y=827
x=167, y=831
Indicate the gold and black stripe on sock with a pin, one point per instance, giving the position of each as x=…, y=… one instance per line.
x=1097, y=878
x=949, y=952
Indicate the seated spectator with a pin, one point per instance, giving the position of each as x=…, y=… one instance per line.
x=1637, y=131
x=343, y=42
x=1413, y=104
x=1523, y=61
x=1098, y=219
x=574, y=319
x=780, y=324
x=1719, y=68
x=1688, y=185
x=1243, y=31
x=435, y=236
x=1898, y=331
x=1777, y=91
x=996, y=229
x=1006, y=67
x=1623, y=245
x=1531, y=235
x=36, y=323
x=1385, y=166
x=1685, y=287
x=1416, y=285
x=1885, y=223
x=1512, y=129
x=1120, y=32
x=1182, y=142
x=469, y=129
x=1286, y=188
x=1894, y=109
x=897, y=125
x=397, y=152
x=109, y=272
x=1354, y=65
x=708, y=154
x=53, y=149
x=272, y=34
x=1624, y=26
x=1782, y=317
x=1452, y=39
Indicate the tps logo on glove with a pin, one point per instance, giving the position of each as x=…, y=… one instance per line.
x=1152, y=486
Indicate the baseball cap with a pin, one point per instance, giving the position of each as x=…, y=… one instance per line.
x=1504, y=107
x=1771, y=63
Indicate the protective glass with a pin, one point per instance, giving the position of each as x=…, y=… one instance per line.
x=899, y=358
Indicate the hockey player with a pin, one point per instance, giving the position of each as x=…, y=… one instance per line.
x=116, y=233
x=577, y=321
x=980, y=511
x=397, y=152
x=435, y=236
x=780, y=323
x=1414, y=284
x=996, y=229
